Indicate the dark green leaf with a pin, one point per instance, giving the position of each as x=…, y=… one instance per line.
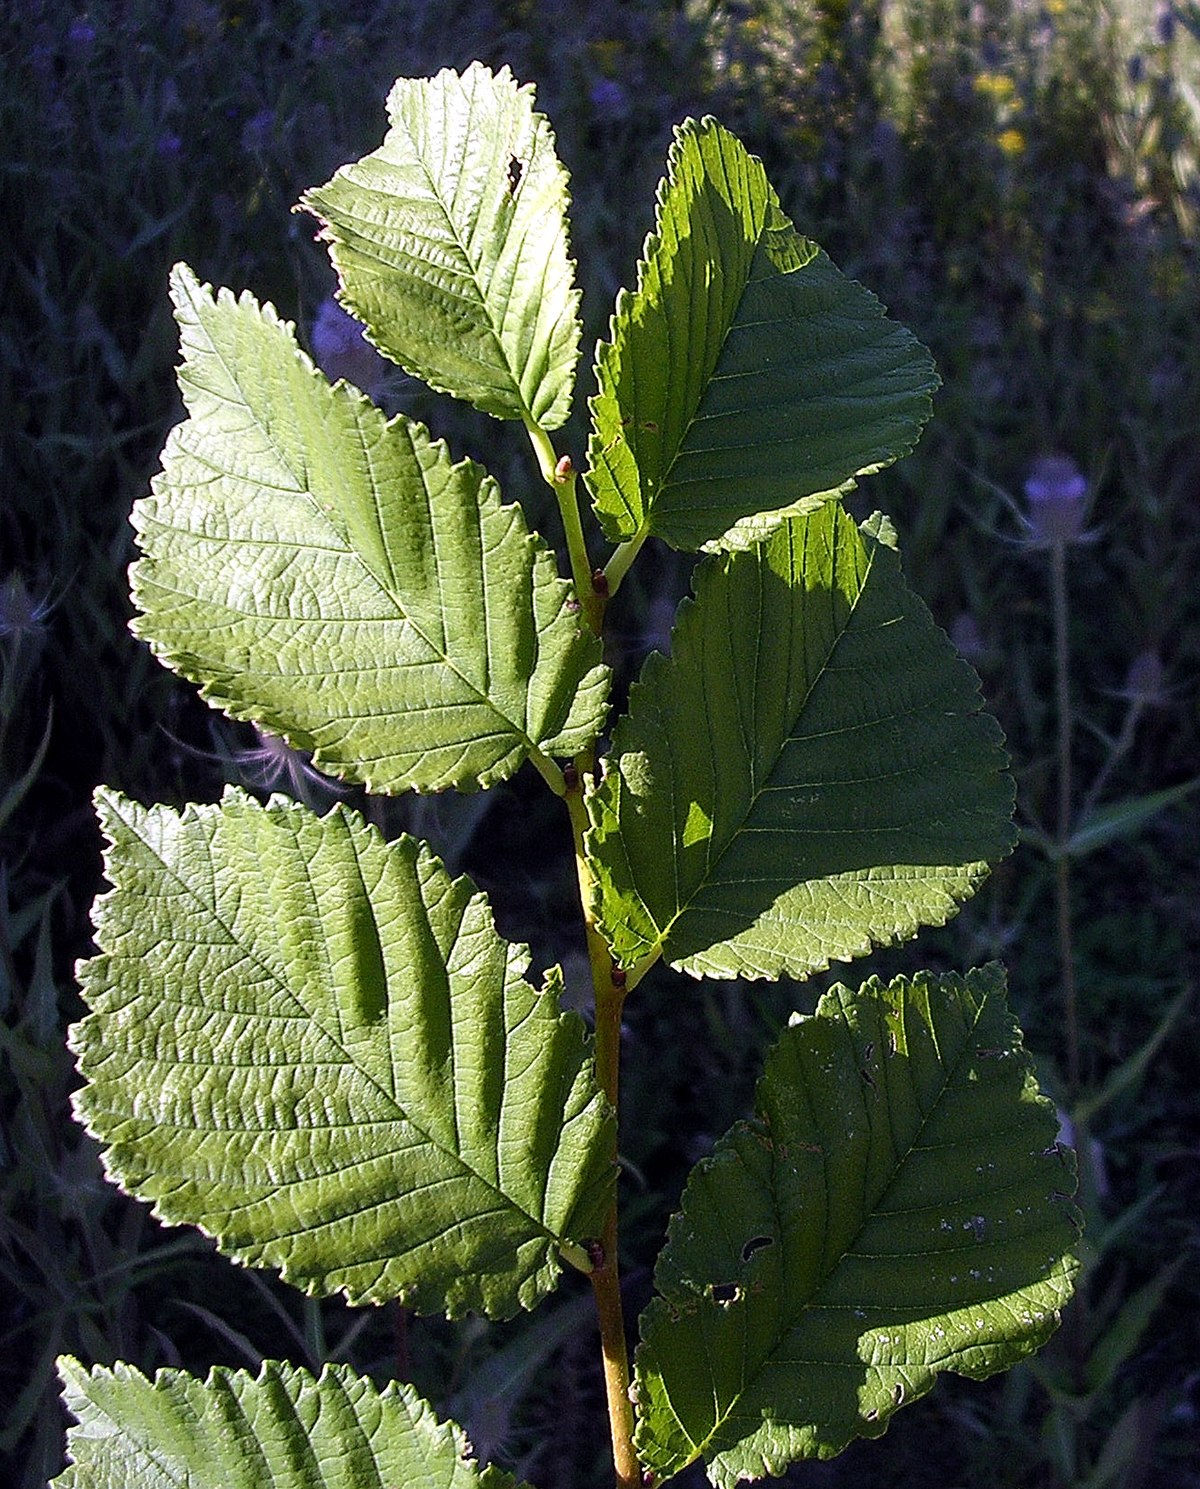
x=897, y=1208
x=809, y=775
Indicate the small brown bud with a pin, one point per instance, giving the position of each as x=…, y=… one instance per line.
x=618, y=977
x=600, y=583
x=564, y=470
x=571, y=776
x=595, y=1251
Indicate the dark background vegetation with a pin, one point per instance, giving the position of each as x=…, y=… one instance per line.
x=1017, y=180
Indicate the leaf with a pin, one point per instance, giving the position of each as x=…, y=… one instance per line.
x=313, y=1045
x=745, y=374
x=1123, y=819
x=1129, y=1074
x=337, y=579
x=451, y=244
x=15, y=794
x=1122, y=1335
x=808, y=776
x=281, y=1429
x=895, y=1209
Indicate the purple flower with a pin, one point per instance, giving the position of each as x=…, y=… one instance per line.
x=81, y=34
x=22, y=617
x=1057, y=495
x=609, y=99
x=968, y=639
x=257, y=132
x=1146, y=682
x=272, y=764
x=341, y=351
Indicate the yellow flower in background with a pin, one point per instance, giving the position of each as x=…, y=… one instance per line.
x=1011, y=141
x=996, y=86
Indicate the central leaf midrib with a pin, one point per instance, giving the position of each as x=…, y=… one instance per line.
x=254, y=959
x=652, y=500
x=401, y=121
x=869, y=1210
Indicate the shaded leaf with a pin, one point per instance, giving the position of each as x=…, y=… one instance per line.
x=809, y=775
x=896, y=1208
x=1123, y=819
x=313, y=1045
x=337, y=579
x=281, y=1429
x=745, y=374
x=1128, y=1075
x=451, y=244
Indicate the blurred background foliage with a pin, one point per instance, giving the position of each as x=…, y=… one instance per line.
x=1018, y=181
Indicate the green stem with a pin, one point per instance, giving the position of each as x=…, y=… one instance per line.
x=1076, y=1323
x=618, y=565
x=548, y=770
x=561, y=477
x=609, y=983
x=1062, y=881
x=610, y=990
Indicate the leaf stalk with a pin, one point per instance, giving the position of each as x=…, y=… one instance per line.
x=618, y=565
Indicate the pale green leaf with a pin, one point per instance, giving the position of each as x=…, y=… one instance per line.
x=337, y=579
x=314, y=1045
x=451, y=244
x=281, y=1429
x=745, y=374
x=809, y=775
x=898, y=1207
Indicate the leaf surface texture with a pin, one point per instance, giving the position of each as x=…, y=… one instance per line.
x=281, y=1429
x=809, y=775
x=897, y=1207
x=340, y=581
x=745, y=374
x=451, y=244
x=313, y=1045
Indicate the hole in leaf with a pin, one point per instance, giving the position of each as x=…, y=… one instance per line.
x=725, y=1293
x=756, y=1243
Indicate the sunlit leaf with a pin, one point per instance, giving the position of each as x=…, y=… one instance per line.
x=898, y=1207
x=339, y=580
x=810, y=773
x=314, y=1045
x=745, y=374
x=451, y=244
x=281, y=1429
